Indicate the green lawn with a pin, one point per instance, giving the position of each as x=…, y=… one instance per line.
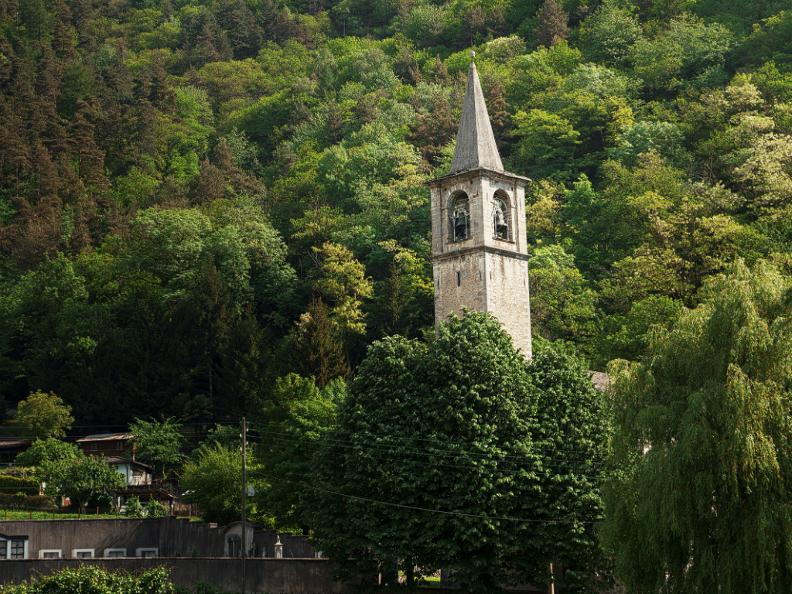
x=18, y=514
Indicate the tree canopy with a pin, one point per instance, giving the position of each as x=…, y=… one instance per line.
x=193, y=192
x=699, y=498
x=439, y=460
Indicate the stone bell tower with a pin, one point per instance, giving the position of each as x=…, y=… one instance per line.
x=479, y=250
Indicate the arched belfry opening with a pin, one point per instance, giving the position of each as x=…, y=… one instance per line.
x=501, y=216
x=459, y=214
x=479, y=246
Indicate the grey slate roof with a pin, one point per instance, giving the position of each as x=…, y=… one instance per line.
x=475, y=144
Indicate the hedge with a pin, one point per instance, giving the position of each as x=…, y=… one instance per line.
x=16, y=484
x=27, y=502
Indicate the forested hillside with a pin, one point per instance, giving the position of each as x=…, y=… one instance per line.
x=200, y=196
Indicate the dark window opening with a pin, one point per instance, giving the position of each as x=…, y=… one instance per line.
x=234, y=546
x=500, y=217
x=17, y=548
x=460, y=218
x=459, y=278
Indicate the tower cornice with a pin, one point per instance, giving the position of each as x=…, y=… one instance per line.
x=479, y=172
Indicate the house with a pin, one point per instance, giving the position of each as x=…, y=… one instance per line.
x=108, y=445
x=119, y=451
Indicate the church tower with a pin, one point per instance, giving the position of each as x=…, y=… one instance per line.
x=479, y=249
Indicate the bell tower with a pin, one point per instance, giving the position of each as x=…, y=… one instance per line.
x=479, y=250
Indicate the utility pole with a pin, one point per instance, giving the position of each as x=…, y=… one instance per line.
x=244, y=503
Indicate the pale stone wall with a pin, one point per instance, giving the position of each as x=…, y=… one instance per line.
x=508, y=297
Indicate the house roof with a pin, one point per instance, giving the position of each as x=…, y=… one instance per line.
x=105, y=437
x=475, y=144
x=13, y=442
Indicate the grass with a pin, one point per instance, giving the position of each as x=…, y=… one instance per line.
x=20, y=514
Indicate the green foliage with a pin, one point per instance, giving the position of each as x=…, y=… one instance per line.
x=198, y=198
x=97, y=580
x=450, y=426
x=562, y=305
x=42, y=415
x=158, y=443
x=43, y=451
x=83, y=479
x=16, y=484
x=609, y=34
x=134, y=508
x=301, y=418
x=151, y=509
x=698, y=498
x=213, y=480
x=23, y=507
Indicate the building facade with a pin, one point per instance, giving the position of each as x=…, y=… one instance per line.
x=143, y=538
x=479, y=246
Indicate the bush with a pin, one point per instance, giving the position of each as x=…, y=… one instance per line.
x=155, y=509
x=134, y=509
x=27, y=502
x=17, y=484
x=97, y=581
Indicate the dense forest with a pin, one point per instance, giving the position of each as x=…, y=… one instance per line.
x=198, y=197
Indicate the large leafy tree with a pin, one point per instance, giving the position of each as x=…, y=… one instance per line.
x=700, y=496
x=438, y=460
x=293, y=430
x=83, y=479
x=158, y=443
x=42, y=415
x=212, y=478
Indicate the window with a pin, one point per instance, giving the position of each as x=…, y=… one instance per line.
x=18, y=548
x=460, y=217
x=114, y=553
x=147, y=553
x=3, y=549
x=93, y=447
x=50, y=554
x=500, y=216
x=83, y=553
x=234, y=546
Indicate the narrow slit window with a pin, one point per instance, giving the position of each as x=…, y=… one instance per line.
x=459, y=278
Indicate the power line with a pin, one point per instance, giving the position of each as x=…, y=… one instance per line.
x=397, y=454
x=440, y=511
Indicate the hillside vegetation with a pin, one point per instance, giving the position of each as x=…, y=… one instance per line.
x=200, y=196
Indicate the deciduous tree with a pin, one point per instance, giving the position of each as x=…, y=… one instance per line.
x=699, y=498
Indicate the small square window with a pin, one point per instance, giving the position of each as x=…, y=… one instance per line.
x=148, y=553
x=18, y=548
x=114, y=553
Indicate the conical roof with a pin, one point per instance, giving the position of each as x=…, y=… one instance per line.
x=475, y=144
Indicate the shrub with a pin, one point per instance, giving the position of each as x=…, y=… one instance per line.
x=97, y=581
x=18, y=484
x=27, y=502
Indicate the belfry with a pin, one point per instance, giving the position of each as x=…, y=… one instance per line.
x=479, y=249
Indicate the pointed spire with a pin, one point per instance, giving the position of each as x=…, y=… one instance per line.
x=475, y=144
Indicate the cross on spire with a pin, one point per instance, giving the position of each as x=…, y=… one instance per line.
x=475, y=144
